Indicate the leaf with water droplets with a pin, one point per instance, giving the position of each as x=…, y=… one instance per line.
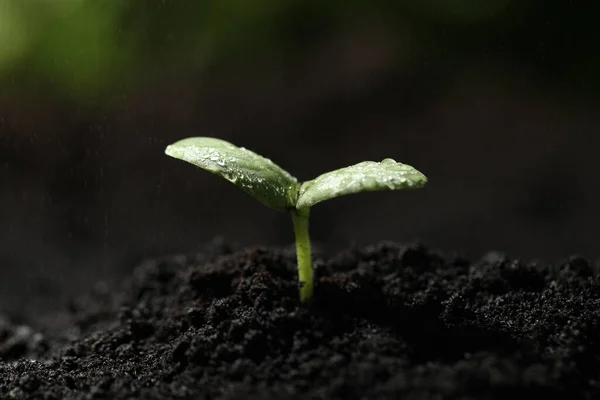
x=256, y=175
x=367, y=176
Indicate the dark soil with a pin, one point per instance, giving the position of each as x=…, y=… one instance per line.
x=388, y=321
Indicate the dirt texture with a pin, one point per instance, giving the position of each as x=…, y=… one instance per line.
x=387, y=321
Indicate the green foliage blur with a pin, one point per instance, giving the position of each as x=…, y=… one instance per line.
x=88, y=46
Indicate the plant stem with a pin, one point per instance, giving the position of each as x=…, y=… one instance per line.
x=303, y=252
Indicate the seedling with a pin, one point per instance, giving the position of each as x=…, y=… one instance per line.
x=277, y=189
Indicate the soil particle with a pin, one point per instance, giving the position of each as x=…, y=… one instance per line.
x=388, y=321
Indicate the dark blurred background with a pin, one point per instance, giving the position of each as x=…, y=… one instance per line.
x=495, y=101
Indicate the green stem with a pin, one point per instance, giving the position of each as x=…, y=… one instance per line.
x=305, y=269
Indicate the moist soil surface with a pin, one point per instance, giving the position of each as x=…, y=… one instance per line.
x=387, y=321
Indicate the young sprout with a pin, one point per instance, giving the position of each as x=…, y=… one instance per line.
x=277, y=189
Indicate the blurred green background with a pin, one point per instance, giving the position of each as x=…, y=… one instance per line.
x=496, y=101
x=83, y=48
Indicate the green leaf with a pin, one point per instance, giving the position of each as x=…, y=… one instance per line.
x=256, y=175
x=366, y=176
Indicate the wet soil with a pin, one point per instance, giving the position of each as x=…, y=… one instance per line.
x=388, y=321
